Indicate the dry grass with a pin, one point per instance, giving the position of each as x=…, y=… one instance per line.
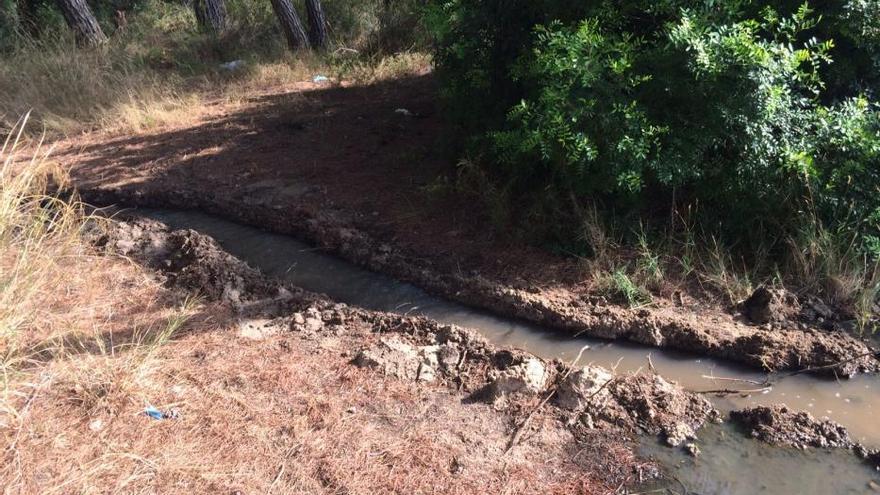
x=283, y=415
x=818, y=263
x=70, y=90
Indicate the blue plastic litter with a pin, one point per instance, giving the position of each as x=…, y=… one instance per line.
x=154, y=413
x=320, y=79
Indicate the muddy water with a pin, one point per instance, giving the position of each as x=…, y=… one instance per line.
x=852, y=403
x=731, y=464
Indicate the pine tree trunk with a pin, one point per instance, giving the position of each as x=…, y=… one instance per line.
x=290, y=24
x=211, y=15
x=317, y=23
x=83, y=23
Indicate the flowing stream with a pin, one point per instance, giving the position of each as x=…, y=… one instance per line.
x=730, y=464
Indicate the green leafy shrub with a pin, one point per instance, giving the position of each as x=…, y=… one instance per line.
x=761, y=114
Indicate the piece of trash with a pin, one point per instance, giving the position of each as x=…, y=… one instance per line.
x=159, y=415
x=320, y=79
x=235, y=64
x=96, y=425
x=154, y=413
x=404, y=112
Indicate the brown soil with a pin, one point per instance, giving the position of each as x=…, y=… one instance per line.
x=601, y=431
x=195, y=263
x=340, y=168
x=781, y=426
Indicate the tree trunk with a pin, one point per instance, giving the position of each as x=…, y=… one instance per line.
x=211, y=15
x=317, y=23
x=83, y=23
x=290, y=24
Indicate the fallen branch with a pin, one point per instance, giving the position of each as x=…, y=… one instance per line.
x=873, y=353
x=768, y=383
x=728, y=391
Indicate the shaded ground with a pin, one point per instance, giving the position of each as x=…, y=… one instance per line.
x=339, y=148
x=344, y=169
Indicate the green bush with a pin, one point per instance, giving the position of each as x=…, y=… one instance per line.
x=761, y=114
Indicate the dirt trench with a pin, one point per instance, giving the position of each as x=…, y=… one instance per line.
x=589, y=402
x=773, y=347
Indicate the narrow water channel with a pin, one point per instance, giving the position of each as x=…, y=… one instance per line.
x=731, y=464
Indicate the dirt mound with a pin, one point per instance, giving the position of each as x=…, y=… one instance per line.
x=767, y=305
x=779, y=425
x=650, y=403
x=600, y=400
x=189, y=261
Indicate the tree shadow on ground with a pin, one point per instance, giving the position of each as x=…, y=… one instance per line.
x=373, y=152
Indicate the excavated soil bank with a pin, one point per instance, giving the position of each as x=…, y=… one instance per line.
x=590, y=402
x=769, y=347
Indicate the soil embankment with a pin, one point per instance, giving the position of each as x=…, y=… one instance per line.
x=418, y=348
x=340, y=168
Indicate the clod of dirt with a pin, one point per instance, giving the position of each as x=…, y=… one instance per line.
x=692, y=449
x=528, y=375
x=399, y=359
x=679, y=433
x=779, y=425
x=767, y=305
x=190, y=261
x=649, y=403
x=582, y=386
x=871, y=456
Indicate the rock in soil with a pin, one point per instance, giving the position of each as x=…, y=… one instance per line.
x=582, y=386
x=396, y=358
x=778, y=425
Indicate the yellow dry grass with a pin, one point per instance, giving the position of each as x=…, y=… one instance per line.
x=70, y=90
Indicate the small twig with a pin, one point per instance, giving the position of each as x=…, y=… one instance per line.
x=602, y=387
x=770, y=381
x=651, y=364
x=727, y=391
x=743, y=380
x=461, y=361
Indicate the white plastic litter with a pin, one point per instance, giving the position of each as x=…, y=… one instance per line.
x=235, y=64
